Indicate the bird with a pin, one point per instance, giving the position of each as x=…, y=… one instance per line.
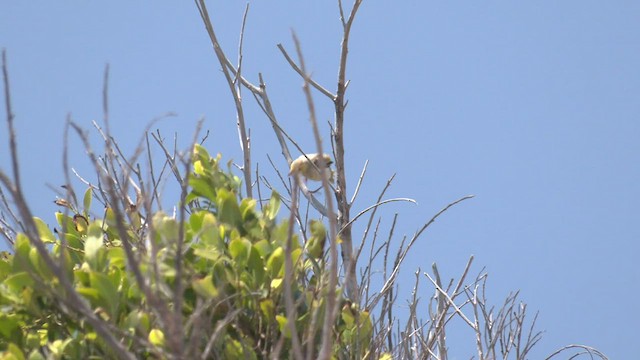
x=311, y=165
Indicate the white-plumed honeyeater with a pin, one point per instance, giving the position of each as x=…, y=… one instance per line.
x=311, y=166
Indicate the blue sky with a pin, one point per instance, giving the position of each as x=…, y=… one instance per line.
x=532, y=107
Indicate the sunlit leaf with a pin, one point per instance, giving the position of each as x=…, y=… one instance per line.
x=86, y=201
x=13, y=352
x=282, y=326
x=263, y=247
x=204, y=287
x=228, y=209
x=9, y=323
x=271, y=210
x=46, y=235
x=156, y=337
x=275, y=263
x=239, y=249
x=106, y=290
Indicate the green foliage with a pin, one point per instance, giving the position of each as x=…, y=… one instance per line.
x=232, y=281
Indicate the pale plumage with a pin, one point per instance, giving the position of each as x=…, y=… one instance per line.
x=309, y=166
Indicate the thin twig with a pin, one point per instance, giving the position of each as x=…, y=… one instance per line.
x=374, y=206
x=360, y=179
x=301, y=72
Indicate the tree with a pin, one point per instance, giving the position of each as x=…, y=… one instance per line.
x=223, y=276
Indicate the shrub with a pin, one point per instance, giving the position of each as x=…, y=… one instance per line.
x=230, y=286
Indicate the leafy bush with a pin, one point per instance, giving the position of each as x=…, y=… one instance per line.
x=229, y=290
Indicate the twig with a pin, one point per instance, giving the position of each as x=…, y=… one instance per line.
x=301, y=72
x=374, y=206
x=360, y=179
x=587, y=350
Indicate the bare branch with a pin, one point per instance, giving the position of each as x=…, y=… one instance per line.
x=245, y=142
x=13, y=148
x=332, y=303
x=338, y=137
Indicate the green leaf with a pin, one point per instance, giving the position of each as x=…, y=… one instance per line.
x=295, y=256
x=106, y=290
x=271, y=210
x=86, y=201
x=210, y=254
x=110, y=218
x=365, y=329
x=9, y=324
x=5, y=264
x=68, y=262
x=263, y=247
x=280, y=234
x=208, y=233
x=75, y=246
x=90, y=294
x=13, y=352
x=36, y=355
x=282, y=325
x=234, y=349
x=196, y=219
x=315, y=243
x=166, y=226
x=201, y=153
x=201, y=187
x=198, y=168
x=43, y=230
x=57, y=347
x=117, y=257
x=156, y=337
x=38, y=263
x=66, y=223
x=276, y=283
x=137, y=320
x=247, y=207
x=228, y=209
x=275, y=263
x=268, y=308
x=239, y=249
x=205, y=288
x=348, y=316
x=256, y=266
